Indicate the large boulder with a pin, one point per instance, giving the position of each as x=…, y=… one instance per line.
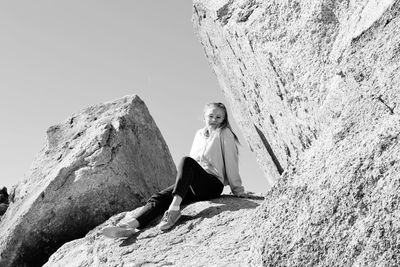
x=107, y=159
x=209, y=233
x=314, y=86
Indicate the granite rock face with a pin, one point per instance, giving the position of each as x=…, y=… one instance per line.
x=105, y=160
x=289, y=67
x=209, y=233
x=3, y=201
x=315, y=88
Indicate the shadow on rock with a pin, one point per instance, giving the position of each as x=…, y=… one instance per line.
x=130, y=240
x=222, y=204
x=200, y=210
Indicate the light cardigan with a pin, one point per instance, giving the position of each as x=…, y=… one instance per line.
x=208, y=151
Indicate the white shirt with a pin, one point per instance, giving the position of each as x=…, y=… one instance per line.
x=209, y=152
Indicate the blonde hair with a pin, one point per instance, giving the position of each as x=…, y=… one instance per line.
x=225, y=123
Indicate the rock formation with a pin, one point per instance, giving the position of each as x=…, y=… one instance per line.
x=4, y=195
x=209, y=233
x=314, y=86
x=3, y=209
x=3, y=200
x=105, y=160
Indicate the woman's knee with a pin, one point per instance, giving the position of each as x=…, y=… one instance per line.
x=187, y=161
x=164, y=195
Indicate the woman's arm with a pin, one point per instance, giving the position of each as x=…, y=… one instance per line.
x=196, y=146
x=230, y=151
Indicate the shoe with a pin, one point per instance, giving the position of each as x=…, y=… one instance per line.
x=118, y=231
x=169, y=219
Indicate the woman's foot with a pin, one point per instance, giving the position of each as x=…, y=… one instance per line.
x=169, y=219
x=122, y=230
x=118, y=231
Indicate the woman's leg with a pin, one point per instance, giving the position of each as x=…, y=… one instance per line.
x=193, y=183
x=156, y=205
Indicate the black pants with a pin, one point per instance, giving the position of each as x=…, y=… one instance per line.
x=192, y=183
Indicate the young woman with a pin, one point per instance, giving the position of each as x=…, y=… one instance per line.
x=213, y=163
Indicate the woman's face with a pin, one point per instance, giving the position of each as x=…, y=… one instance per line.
x=213, y=117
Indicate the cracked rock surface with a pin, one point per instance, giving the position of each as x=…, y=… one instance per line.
x=289, y=68
x=107, y=159
x=315, y=88
x=209, y=233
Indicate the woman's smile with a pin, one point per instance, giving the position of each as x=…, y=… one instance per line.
x=214, y=117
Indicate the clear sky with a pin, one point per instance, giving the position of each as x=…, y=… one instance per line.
x=59, y=57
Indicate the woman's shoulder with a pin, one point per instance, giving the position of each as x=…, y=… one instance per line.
x=200, y=131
